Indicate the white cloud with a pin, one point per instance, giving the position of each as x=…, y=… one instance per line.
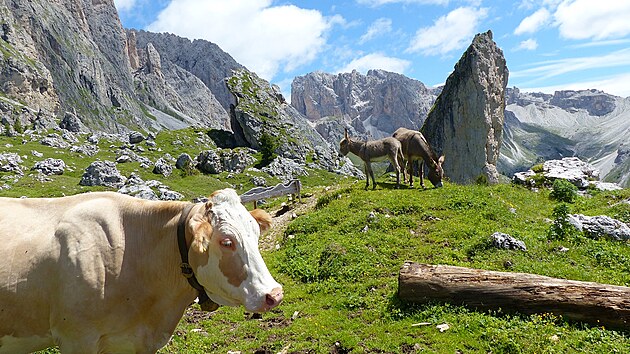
x=264, y=38
x=378, y=27
x=529, y=44
x=376, y=3
x=584, y=19
x=124, y=5
x=451, y=32
x=376, y=61
x=553, y=68
x=533, y=22
x=614, y=85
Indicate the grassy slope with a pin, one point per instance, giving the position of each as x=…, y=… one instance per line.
x=339, y=265
x=341, y=281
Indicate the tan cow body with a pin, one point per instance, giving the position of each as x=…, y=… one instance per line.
x=100, y=272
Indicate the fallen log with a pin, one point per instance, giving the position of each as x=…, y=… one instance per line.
x=589, y=302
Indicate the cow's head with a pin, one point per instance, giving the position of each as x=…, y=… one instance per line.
x=224, y=253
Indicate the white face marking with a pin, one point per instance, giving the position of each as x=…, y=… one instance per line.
x=235, y=273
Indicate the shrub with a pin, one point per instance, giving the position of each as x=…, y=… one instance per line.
x=268, y=145
x=563, y=191
x=561, y=228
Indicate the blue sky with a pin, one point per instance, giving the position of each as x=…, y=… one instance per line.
x=548, y=44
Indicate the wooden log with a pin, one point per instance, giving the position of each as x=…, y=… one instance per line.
x=589, y=302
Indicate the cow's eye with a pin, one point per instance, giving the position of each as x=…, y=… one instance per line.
x=226, y=242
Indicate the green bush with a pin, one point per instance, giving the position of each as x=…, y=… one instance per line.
x=561, y=228
x=268, y=145
x=563, y=191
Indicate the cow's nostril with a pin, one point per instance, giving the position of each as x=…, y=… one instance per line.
x=274, y=297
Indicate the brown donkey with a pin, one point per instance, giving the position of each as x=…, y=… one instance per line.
x=416, y=147
x=375, y=150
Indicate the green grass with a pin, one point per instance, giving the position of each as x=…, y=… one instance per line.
x=339, y=263
x=341, y=281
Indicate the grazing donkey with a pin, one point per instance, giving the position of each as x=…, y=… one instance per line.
x=375, y=150
x=416, y=147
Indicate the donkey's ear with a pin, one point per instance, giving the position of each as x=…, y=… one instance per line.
x=345, y=133
x=441, y=160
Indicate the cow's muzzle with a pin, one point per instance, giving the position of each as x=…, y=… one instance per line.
x=273, y=299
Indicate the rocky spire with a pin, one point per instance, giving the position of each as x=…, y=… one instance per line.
x=466, y=122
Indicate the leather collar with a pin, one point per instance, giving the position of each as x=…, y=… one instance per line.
x=204, y=301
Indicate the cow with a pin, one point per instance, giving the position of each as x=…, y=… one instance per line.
x=102, y=272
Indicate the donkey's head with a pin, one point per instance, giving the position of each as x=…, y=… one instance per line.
x=436, y=173
x=344, y=144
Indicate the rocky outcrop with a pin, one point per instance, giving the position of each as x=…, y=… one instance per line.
x=466, y=122
x=262, y=116
x=74, y=56
x=375, y=105
x=174, y=96
x=581, y=174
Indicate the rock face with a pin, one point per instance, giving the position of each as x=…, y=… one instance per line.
x=262, y=116
x=375, y=105
x=466, y=122
x=74, y=56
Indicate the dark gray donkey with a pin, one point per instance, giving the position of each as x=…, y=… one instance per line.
x=416, y=147
x=374, y=150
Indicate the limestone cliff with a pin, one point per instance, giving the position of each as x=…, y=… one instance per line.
x=466, y=122
x=374, y=105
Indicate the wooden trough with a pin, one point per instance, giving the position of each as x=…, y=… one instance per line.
x=589, y=302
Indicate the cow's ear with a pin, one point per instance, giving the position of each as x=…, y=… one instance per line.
x=208, y=211
x=262, y=218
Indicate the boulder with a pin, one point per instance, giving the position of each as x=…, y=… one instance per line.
x=285, y=169
x=601, y=226
x=163, y=167
x=10, y=162
x=71, y=123
x=184, y=161
x=50, y=166
x=102, y=173
x=135, y=137
x=505, y=241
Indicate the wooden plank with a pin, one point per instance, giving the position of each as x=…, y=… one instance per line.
x=593, y=303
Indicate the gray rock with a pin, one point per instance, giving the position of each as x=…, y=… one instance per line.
x=54, y=140
x=184, y=161
x=166, y=194
x=209, y=162
x=72, y=123
x=10, y=162
x=135, y=137
x=505, y=241
x=601, y=226
x=102, y=173
x=579, y=173
x=472, y=104
x=87, y=150
x=259, y=181
x=163, y=167
x=50, y=166
x=136, y=187
x=285, y=169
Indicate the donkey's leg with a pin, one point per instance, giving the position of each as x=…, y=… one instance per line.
x=368, y=168
x=372, y=175
x=409, y=168
x=394, y=161
x=421, y=168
